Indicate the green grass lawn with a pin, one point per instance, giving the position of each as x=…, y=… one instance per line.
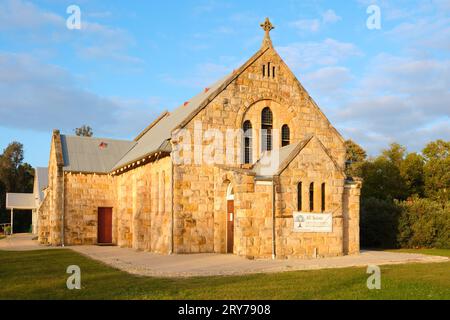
x=42, y=275
x=433, y=252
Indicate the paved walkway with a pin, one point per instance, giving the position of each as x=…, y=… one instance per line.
x=21, y=242
x=206, y=264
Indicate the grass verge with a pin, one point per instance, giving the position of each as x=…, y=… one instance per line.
x=42, y=275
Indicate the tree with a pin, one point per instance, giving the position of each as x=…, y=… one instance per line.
x=15, y=176
x=84, y=131
x=10, y=161
x=395, y=154
x=354, y=157
x=437, y=170
x=382, y=180
x=411, y=170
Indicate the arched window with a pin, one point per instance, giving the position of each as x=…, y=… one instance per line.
x=311, y=197
x=266, y=126
x=299, y=196
x=247, y=127
x=323, y=197
x=285, y=135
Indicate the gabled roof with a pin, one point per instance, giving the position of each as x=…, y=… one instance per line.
x=271, y=162
x=92, y=155
x=160, y=132
x=268, y=165
x=41, y=175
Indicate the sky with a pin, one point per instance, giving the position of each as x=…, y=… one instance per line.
x=133, y=59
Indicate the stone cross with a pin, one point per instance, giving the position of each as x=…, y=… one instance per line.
x=267, y=26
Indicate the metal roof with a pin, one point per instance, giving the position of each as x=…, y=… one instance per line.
x=19, y=201
x=156, y=138
x=41, y=174
x=93, y=155
x=272, y=163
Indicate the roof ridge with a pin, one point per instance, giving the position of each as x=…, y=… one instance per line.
x=94, y=138
x=151, y=125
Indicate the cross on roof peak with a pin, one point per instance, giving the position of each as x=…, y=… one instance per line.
x=267, y=26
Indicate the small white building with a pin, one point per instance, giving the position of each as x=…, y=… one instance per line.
x=29, y=201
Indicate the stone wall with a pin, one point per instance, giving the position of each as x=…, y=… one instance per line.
x=254, y=218
x=351, y=205
x=143, y=207
x=84, y=194
x=194, y=209
x=312, y=165
x=49, y=216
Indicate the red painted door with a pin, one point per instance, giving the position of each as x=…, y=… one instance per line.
x=230, y=226
x=104, y=234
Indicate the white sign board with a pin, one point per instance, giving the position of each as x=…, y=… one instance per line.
x=313, y=222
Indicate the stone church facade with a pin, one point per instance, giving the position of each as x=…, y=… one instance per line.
x=158, y=193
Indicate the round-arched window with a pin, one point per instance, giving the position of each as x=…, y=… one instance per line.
x=266, y=128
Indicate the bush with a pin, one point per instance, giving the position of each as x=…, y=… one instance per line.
x=7, y=230
x=424, y=223
x=414, y=223
x=379, y=220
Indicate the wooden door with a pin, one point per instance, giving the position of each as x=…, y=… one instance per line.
x=104, y=234
x=230, y=226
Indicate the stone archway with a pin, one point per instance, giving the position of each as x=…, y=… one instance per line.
x=221, y=189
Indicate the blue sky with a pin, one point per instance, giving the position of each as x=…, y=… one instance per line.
x=133, y=59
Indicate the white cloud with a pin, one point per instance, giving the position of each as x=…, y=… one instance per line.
x=92, y=41
x=398, y=99
x=330, y=16
x=314, y=25
x=424, y=33
x=50, y=98
x=204, y=75
x=327, y=80
x=303, y=55
x=17, y=14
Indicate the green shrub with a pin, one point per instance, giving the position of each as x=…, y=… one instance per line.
x=424, y=223
x=379, y=219
x=415, y=223
x=7, y=230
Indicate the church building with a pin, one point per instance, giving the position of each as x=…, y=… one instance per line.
x=250, y=166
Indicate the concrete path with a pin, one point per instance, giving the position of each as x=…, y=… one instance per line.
x=21, y=242
x=206, y=264
x=148, y=264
